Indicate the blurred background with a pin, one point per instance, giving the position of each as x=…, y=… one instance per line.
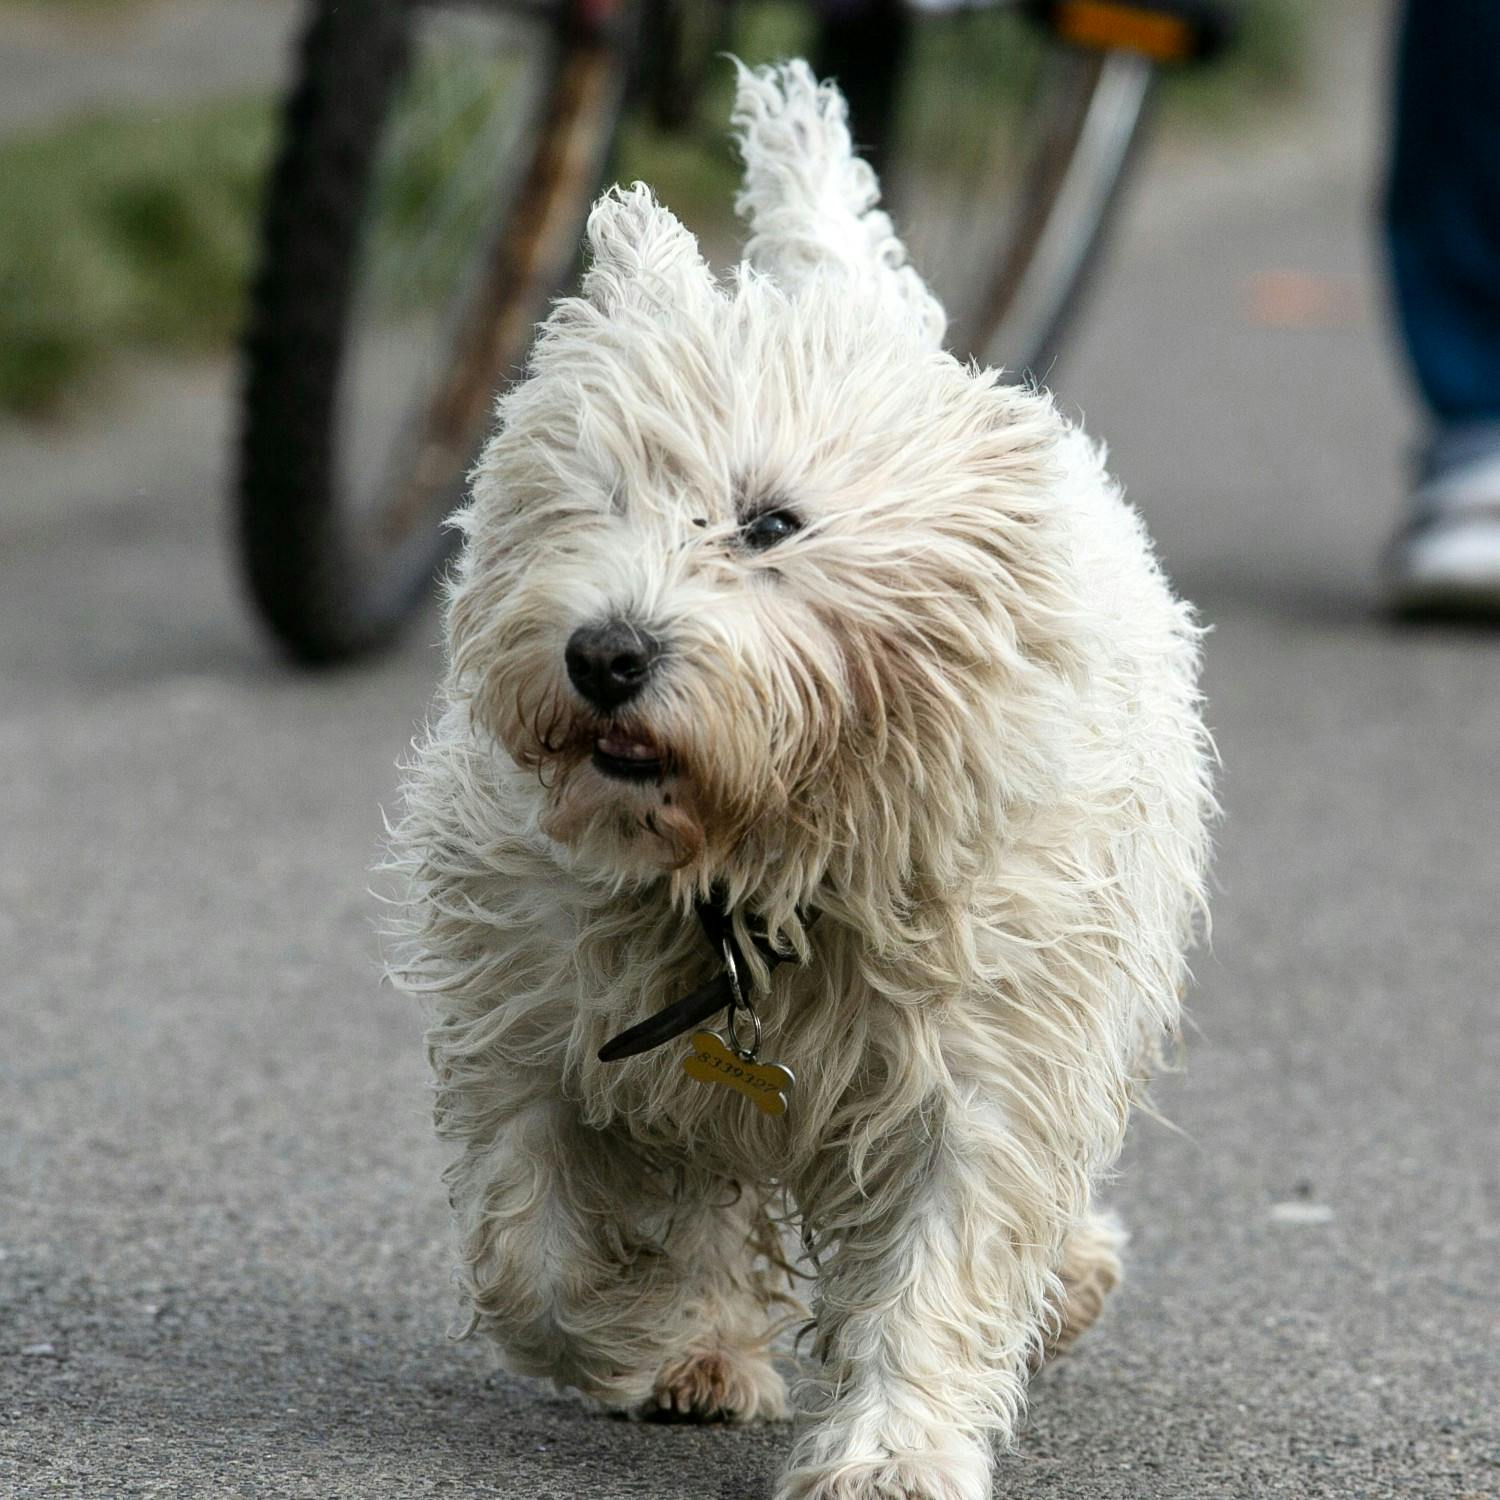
x=222, y=1237
x=139, y=134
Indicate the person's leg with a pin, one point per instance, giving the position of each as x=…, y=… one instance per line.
x=1443, y=230
x=1443, y=208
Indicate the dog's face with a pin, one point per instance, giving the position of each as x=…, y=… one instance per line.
x=750, y=580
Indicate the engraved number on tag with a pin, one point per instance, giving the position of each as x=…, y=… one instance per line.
x=765, y=1084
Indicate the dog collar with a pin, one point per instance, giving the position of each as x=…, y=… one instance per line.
x=722, y=992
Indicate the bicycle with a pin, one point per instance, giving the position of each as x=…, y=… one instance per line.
x=439, y=156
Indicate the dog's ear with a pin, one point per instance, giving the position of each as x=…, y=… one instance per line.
x=809, y=201
x=641, y=256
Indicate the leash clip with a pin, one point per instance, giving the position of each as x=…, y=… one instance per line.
x=738, y=1001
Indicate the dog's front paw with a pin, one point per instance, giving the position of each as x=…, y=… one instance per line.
x=1089, y=1272
x=717, y=1384
x=921, y=1477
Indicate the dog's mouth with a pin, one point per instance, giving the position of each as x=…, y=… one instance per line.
x=625, y=755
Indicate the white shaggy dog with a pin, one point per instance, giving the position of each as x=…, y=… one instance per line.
x=772, y=614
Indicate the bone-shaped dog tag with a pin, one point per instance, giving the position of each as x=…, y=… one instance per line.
x=764, y=1084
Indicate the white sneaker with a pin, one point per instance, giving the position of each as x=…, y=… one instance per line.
x=1447, y=559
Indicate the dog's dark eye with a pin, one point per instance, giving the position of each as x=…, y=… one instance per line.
x=768, y=528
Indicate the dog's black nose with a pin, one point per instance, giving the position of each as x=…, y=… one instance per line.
x=609, y=663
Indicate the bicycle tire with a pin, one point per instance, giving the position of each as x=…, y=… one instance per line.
x=333, y=574
x=1084, y=115
x=1037, y=286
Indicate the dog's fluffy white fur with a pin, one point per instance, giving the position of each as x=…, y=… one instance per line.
x=954, y=715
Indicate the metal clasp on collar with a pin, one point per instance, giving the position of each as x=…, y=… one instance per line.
x=739, y=1001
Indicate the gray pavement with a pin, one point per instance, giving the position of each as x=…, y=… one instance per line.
x=222, y=1242
x=140, y=53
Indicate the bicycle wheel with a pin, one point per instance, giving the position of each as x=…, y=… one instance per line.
x=1002, y=138
x=437, y=163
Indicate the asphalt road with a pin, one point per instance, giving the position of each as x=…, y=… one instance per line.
x=165, y=52
x=222, y=1242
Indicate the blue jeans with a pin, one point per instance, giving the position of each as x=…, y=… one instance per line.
x=1442, y=211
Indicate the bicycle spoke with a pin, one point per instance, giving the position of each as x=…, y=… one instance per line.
x=463, y=123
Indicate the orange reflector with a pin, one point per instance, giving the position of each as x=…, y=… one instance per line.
x=1099, y=23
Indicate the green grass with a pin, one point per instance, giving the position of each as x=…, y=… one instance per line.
x=1264, y=67
x=136, y=230
x=124, y=230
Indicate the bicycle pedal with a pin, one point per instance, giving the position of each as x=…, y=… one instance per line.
x=1166, y=31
